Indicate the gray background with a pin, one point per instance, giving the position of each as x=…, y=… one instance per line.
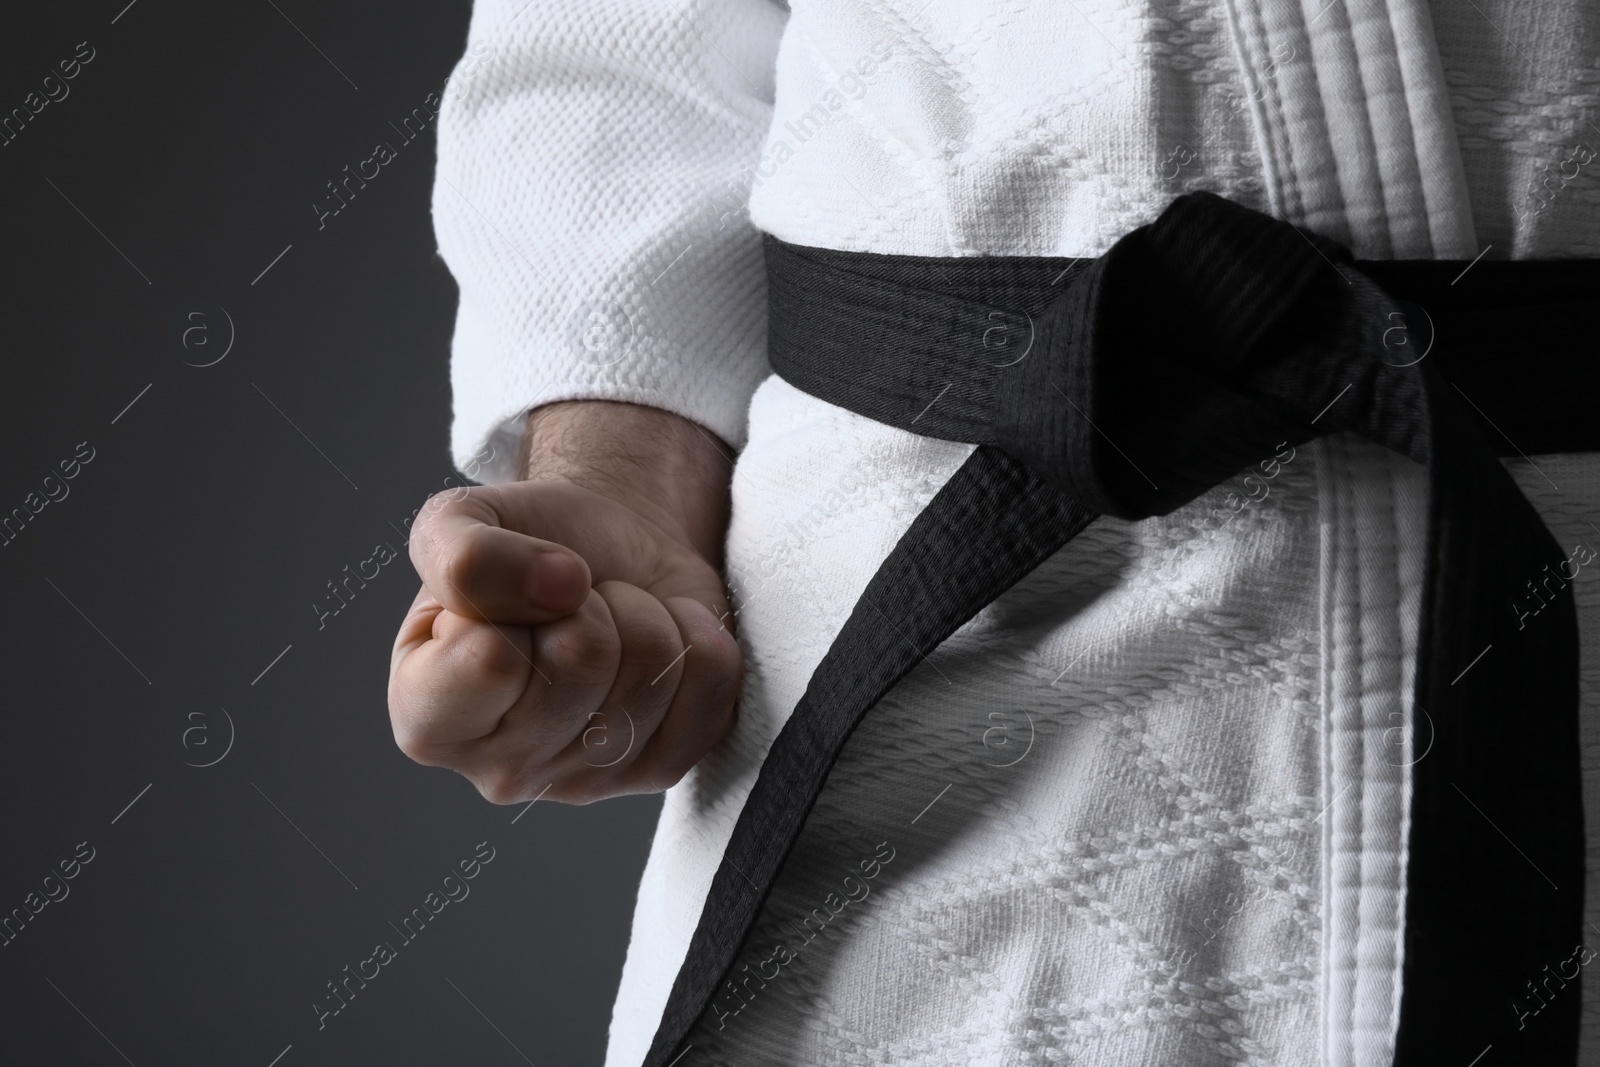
x=188, y=553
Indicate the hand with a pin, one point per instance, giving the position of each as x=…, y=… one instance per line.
x=573, y=637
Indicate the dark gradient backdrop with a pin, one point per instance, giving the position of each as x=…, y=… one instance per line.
x=160, y=600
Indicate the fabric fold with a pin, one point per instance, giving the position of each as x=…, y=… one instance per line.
x=1187, y=351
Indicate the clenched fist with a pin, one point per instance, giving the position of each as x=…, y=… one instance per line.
x=573, y=637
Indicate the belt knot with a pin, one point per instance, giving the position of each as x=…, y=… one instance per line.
x=1192, y=348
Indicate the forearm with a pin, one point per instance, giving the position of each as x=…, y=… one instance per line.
x=664, y=466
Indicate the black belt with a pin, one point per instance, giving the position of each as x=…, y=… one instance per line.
x=1130, y=384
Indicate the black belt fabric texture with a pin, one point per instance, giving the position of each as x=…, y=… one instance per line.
x=1130, y=384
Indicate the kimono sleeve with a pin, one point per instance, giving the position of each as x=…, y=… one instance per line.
x=595, y=163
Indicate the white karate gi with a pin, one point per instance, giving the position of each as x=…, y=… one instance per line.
x=1150, y=806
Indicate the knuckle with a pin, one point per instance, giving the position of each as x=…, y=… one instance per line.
x=415, y=745
x=730, y=719
x=497, y=661
x=500, y=785
x=718, y=726
x=724, y=662
x=461, y=563
x=425, y=539
x=603, y=785
x=396, y=696
x=408, y=738
x=577, y=794
x=445, y=497
x=669, y=775
x=586, y=654
x=717, y=678
x=655, y=649
x=660, y=771
x=574, y=786
x=581, y=794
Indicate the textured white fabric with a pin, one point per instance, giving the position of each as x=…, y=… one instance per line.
x=1524, y=83
x=1214, y=715
x=589, y=205
x=595, y=158
x=1124, y=867
x=1374, y=513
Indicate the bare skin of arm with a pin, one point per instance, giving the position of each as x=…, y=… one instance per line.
x=573, y=637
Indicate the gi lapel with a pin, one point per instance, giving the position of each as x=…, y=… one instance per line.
x=1353, y=121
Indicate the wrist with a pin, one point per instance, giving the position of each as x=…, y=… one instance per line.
x=663, y=466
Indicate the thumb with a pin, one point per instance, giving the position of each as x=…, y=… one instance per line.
x=477, y=568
